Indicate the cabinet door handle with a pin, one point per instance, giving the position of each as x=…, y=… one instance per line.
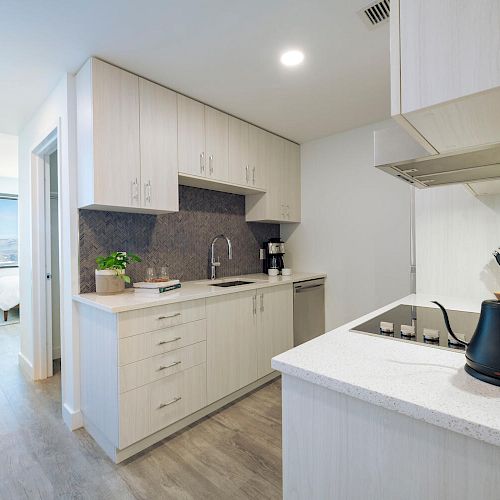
x=169, y=341
x=261, y=302
x=202, y=162
x=254, y=299
x=162, y=405
x=211, y=164
x=169, y=316
x=253, y=175
x=175, y=363
x=246, y=173
x=134, y=192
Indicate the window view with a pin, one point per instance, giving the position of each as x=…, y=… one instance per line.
x=8, y=232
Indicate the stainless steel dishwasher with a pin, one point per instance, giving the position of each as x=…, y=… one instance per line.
x=308, y=310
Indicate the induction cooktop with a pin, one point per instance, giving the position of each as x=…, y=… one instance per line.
x=423, y=325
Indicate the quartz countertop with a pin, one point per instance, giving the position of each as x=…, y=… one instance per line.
x=419, y=381
x=190, y=290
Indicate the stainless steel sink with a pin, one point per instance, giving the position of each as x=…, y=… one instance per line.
x=225, y=284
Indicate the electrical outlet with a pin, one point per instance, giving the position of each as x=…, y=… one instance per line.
x=262, y=254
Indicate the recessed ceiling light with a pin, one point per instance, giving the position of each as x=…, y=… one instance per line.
x=292, y=58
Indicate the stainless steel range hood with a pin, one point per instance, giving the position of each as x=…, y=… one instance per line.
x=397, y=153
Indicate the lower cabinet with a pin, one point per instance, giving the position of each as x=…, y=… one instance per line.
x=154, y=406
x=146, y=369
x=274, y=325
x=244, y=331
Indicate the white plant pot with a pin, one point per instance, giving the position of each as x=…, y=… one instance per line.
x=108, y=281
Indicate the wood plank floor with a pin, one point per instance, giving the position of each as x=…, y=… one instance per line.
x=234, y=453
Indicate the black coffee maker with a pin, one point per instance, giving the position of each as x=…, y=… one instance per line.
x=275, y=249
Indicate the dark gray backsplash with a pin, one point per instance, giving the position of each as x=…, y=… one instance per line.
x=180, y=240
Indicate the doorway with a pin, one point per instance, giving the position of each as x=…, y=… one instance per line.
x=46, y=273
x=52, y=264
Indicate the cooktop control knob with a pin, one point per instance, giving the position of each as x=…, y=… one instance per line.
x=386, y=327
x=407, y=331
x=431, y=334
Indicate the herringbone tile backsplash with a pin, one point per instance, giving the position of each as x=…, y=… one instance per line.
x=180, y=240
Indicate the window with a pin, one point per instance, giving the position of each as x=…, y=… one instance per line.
x=8, y=232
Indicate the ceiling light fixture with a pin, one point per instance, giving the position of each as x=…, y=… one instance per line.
x=292, y=58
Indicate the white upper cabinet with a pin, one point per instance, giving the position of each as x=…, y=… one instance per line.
x=109, y=173
x=158, y=139
x=138, y=140
x=445, y=71
x=281, y=202
x=258, y=156
x=239, y=161
x=191, y=140
x=291, y=194
x=216, y=139
x=127, y=141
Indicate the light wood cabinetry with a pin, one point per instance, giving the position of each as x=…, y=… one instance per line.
x=203, y=140
x=445, y=72
x=281, y=202
x=274, y=325
x=138, y=140
x=158, y=141
x=127, y=145
x=191, y=129
x=258, y=146
x=247, y=153
x=231, y=343
x=239, y=161
x=149, y=372
x=244, y=331
x=216, y=139
x=109, y=172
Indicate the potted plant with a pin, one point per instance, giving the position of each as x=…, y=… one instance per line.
x=110, y=277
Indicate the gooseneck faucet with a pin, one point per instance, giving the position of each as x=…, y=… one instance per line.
x=214, y=262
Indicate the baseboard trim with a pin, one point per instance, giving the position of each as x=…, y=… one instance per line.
x=73, y=419
x=26, y=366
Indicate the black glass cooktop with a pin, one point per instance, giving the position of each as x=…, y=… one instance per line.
x=424, y=325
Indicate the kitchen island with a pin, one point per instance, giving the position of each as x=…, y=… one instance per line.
x=372, y=417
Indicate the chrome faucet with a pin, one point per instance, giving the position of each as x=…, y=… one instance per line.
x=215, y=263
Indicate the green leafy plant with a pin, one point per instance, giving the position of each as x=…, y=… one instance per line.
x=117, y=261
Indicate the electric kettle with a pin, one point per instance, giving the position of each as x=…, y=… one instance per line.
x=483, y=351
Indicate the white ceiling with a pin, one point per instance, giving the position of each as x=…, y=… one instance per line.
x=223, y=52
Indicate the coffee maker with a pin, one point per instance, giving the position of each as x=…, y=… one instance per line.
x=275, y=249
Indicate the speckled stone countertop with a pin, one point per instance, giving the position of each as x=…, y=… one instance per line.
x=190, y=290
x=419, y=381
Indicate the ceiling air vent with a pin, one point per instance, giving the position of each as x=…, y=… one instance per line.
x=376, y=13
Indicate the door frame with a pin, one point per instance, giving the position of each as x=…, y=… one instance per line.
x=40, y=234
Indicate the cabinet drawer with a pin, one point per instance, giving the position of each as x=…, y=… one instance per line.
x=148, y=370
x=177, y=396
x=159, y=317
x=149, y=344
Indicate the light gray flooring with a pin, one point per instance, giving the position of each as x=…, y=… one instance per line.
x=232, y=454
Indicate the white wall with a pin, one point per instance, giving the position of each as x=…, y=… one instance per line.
x=456, y=234
x=355, y=226
x=57, y=112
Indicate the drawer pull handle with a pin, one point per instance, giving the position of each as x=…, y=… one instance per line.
x=175, y=363
x=169, y=341
x=169, y=316
x=162, y=405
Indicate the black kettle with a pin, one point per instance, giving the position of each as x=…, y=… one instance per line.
x=483, y=351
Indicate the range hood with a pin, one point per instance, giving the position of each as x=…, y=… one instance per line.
x=399, y=154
